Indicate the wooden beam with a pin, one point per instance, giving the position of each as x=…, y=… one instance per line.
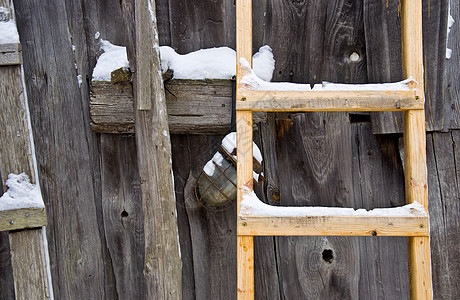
x=193, y=106
x=333, y=225
x=328, y=100
x=415, y=148
x=163, y=266
x=10, y=54
x=21, y=218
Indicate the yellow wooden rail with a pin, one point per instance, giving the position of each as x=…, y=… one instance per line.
x=411, y=101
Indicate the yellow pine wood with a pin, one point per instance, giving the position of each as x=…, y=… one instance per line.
x=245, y=257
x=334, y=226
x=243, y=37
x=277, y=101
x=415, y=148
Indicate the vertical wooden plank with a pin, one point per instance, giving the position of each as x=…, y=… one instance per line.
x=162, y=269
x=245, y=244
x=122, y=214
x=31, y=280
x=376, y=168
x=452, y=82
x=67, y=152
x=415, y=148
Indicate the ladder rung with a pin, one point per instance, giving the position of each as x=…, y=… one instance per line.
x=358, y=100
x=333, y=225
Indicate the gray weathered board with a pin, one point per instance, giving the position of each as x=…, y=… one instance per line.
x=194, y=106
x=302, y=35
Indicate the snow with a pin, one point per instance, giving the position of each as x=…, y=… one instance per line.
x=229, y=143
x=80, y=80
x=114, y=57
x=450, y=22
x=9, y=32
x=251, y=205
x=210, y=166
x=97, y=35
x=251, y=81
x=212, y=63
x=20, y=194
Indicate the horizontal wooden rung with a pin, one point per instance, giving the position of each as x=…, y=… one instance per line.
x=331, y=225
x=378, y=100
x=15, y=219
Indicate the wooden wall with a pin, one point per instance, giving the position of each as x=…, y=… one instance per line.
x=90, y=181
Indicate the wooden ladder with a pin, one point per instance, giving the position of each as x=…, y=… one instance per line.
x=281, y=222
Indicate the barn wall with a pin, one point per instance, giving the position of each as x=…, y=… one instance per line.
x=90, y=181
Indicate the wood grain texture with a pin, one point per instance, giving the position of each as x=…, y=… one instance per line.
x=122, y=211
x=67, y=150
x=6, y=269
x=443, y=194
x=10, y=54
x=193, y=106
x=279, y=101
x=451, y=84
x=31, y=280
x=162, y=262
x=376, y=168
x=333, y=225
x=22, y=218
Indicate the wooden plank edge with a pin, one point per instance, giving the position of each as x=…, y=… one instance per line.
x=331, y=225
x=10, y=54
x=22, y=218
x=277, y=101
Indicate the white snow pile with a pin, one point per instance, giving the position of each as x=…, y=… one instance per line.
x=252, y=81
x=450, y=22
x=251, y=205
x=114, y=57
x=229, y=144
x=9, y=32
x=21, y=193
x=212, y=63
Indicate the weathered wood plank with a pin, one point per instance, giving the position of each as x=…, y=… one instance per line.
x=162, y=264
x=6, y=270
x=452, y=81
x=193, y=106
x=15, y=219
x=443, y=192
x=67, y=150
x=10, y=54
x=376, y=168
x=122, y=211
x=31, y=280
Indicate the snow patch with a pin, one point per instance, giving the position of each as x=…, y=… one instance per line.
x=114, y=57
x=251, y=205
x=229, y=143
x=251, y=81
x=210, y=166
x=21, y=193
x=80, y=80
x=9, y=32
x=450, y=22
x=97, y=35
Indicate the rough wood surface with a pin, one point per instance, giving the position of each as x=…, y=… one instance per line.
x=10, y=54
x=67, y=150
x=452, y=82
x=15, y=219
x=193, y=106
x=31, y=280
x=162, y=262
x=122, y=211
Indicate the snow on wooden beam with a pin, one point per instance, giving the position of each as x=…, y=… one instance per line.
x=194, y=106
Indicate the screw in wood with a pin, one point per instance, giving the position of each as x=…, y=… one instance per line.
x=374, y=233
x=11, y=222
x=27, y=214
x=243, y=99
x=245, y=224
x=422, y=226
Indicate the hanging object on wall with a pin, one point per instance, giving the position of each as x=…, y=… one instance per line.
x=216, y=184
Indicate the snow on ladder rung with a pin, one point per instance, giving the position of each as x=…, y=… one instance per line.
x=257, y=218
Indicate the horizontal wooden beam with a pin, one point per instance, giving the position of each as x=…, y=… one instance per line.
x=333, y=225
x=277, y=101
x=22, y=218
x=194, y=106
x=10, y=54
